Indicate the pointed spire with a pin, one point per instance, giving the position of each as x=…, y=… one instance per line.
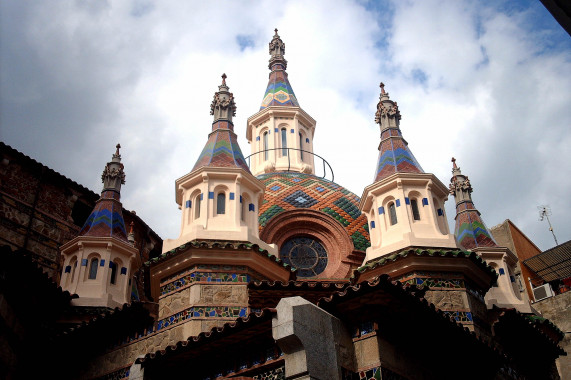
x=222, y=149
x=279, y=91
x=470, y=231
x=106, y=219
x=394, y=154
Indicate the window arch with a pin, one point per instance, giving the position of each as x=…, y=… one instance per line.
x=283, y=134
x=415, y=210
x=93, y=265
x=197, y=204
x=265, y=146
x=393, y=214
x=221, y=203
x=113, y=278
x=244, y=207
x=301, y=145
x=73, y=266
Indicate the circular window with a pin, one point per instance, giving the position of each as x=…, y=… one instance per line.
x=305, y=254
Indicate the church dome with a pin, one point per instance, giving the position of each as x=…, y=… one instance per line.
x=314, y=207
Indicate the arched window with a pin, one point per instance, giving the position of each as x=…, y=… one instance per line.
x=393, y=213
x=301, y=145
x=221, y=203
x=415, y=212
x=93, y=269
x=113, y=279
x=266, y=153
x=284, y=141
x=197, y=206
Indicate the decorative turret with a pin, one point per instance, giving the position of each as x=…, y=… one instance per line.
x=100, y=261
x=281, y=133
x=404, y=206
x=470, y=231
x=222, y=149
x=220, y=197
x=394, y=154
x=106, y=219
x=471, y=234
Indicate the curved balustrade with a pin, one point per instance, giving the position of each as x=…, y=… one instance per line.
x=323, y=160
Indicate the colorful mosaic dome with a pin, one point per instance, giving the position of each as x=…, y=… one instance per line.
x=291, y=191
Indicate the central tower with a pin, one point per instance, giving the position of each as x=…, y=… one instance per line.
x=281, y=133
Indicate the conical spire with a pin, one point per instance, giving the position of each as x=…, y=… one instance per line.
x=106, y=219
x=470, y=231
x=394, y=154
x=222, y=149
x=279, y=91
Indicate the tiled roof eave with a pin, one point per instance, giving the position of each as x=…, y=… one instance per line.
x=218, y=244
x=214, y=334
x=418, y=251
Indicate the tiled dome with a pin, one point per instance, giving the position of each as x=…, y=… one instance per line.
x=290, y=191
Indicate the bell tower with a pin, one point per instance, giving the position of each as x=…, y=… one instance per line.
x=281, y=133
x=405, y=205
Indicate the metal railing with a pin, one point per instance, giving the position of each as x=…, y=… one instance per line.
x=323, y=160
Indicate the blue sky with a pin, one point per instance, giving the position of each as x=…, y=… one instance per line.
x=488, y=82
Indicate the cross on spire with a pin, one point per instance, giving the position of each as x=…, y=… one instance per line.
x=224, y=79
x=382, y=86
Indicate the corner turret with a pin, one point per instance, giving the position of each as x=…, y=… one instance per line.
x=100, y=262
x=404, y=206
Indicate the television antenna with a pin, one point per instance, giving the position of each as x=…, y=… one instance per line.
x=544, y=212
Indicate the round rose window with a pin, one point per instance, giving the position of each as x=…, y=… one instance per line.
x=305, y=254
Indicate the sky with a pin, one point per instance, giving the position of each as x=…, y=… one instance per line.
x=488, y=82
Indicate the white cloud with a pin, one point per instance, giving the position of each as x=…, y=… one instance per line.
x=474, y=81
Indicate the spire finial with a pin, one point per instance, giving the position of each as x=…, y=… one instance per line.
x=454, y=163
x=117, y=154
x=277, y=51
x=382, y=86
x=223, y=106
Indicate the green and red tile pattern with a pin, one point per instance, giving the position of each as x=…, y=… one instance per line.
x=293, y=191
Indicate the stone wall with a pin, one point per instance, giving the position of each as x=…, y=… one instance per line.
x=558, y=310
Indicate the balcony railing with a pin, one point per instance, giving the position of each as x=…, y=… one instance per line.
x=287, y=153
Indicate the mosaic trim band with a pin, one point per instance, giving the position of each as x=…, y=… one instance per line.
x=216, y=277
x=203, y=312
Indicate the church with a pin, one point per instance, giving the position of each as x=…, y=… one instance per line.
x=278, y=272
